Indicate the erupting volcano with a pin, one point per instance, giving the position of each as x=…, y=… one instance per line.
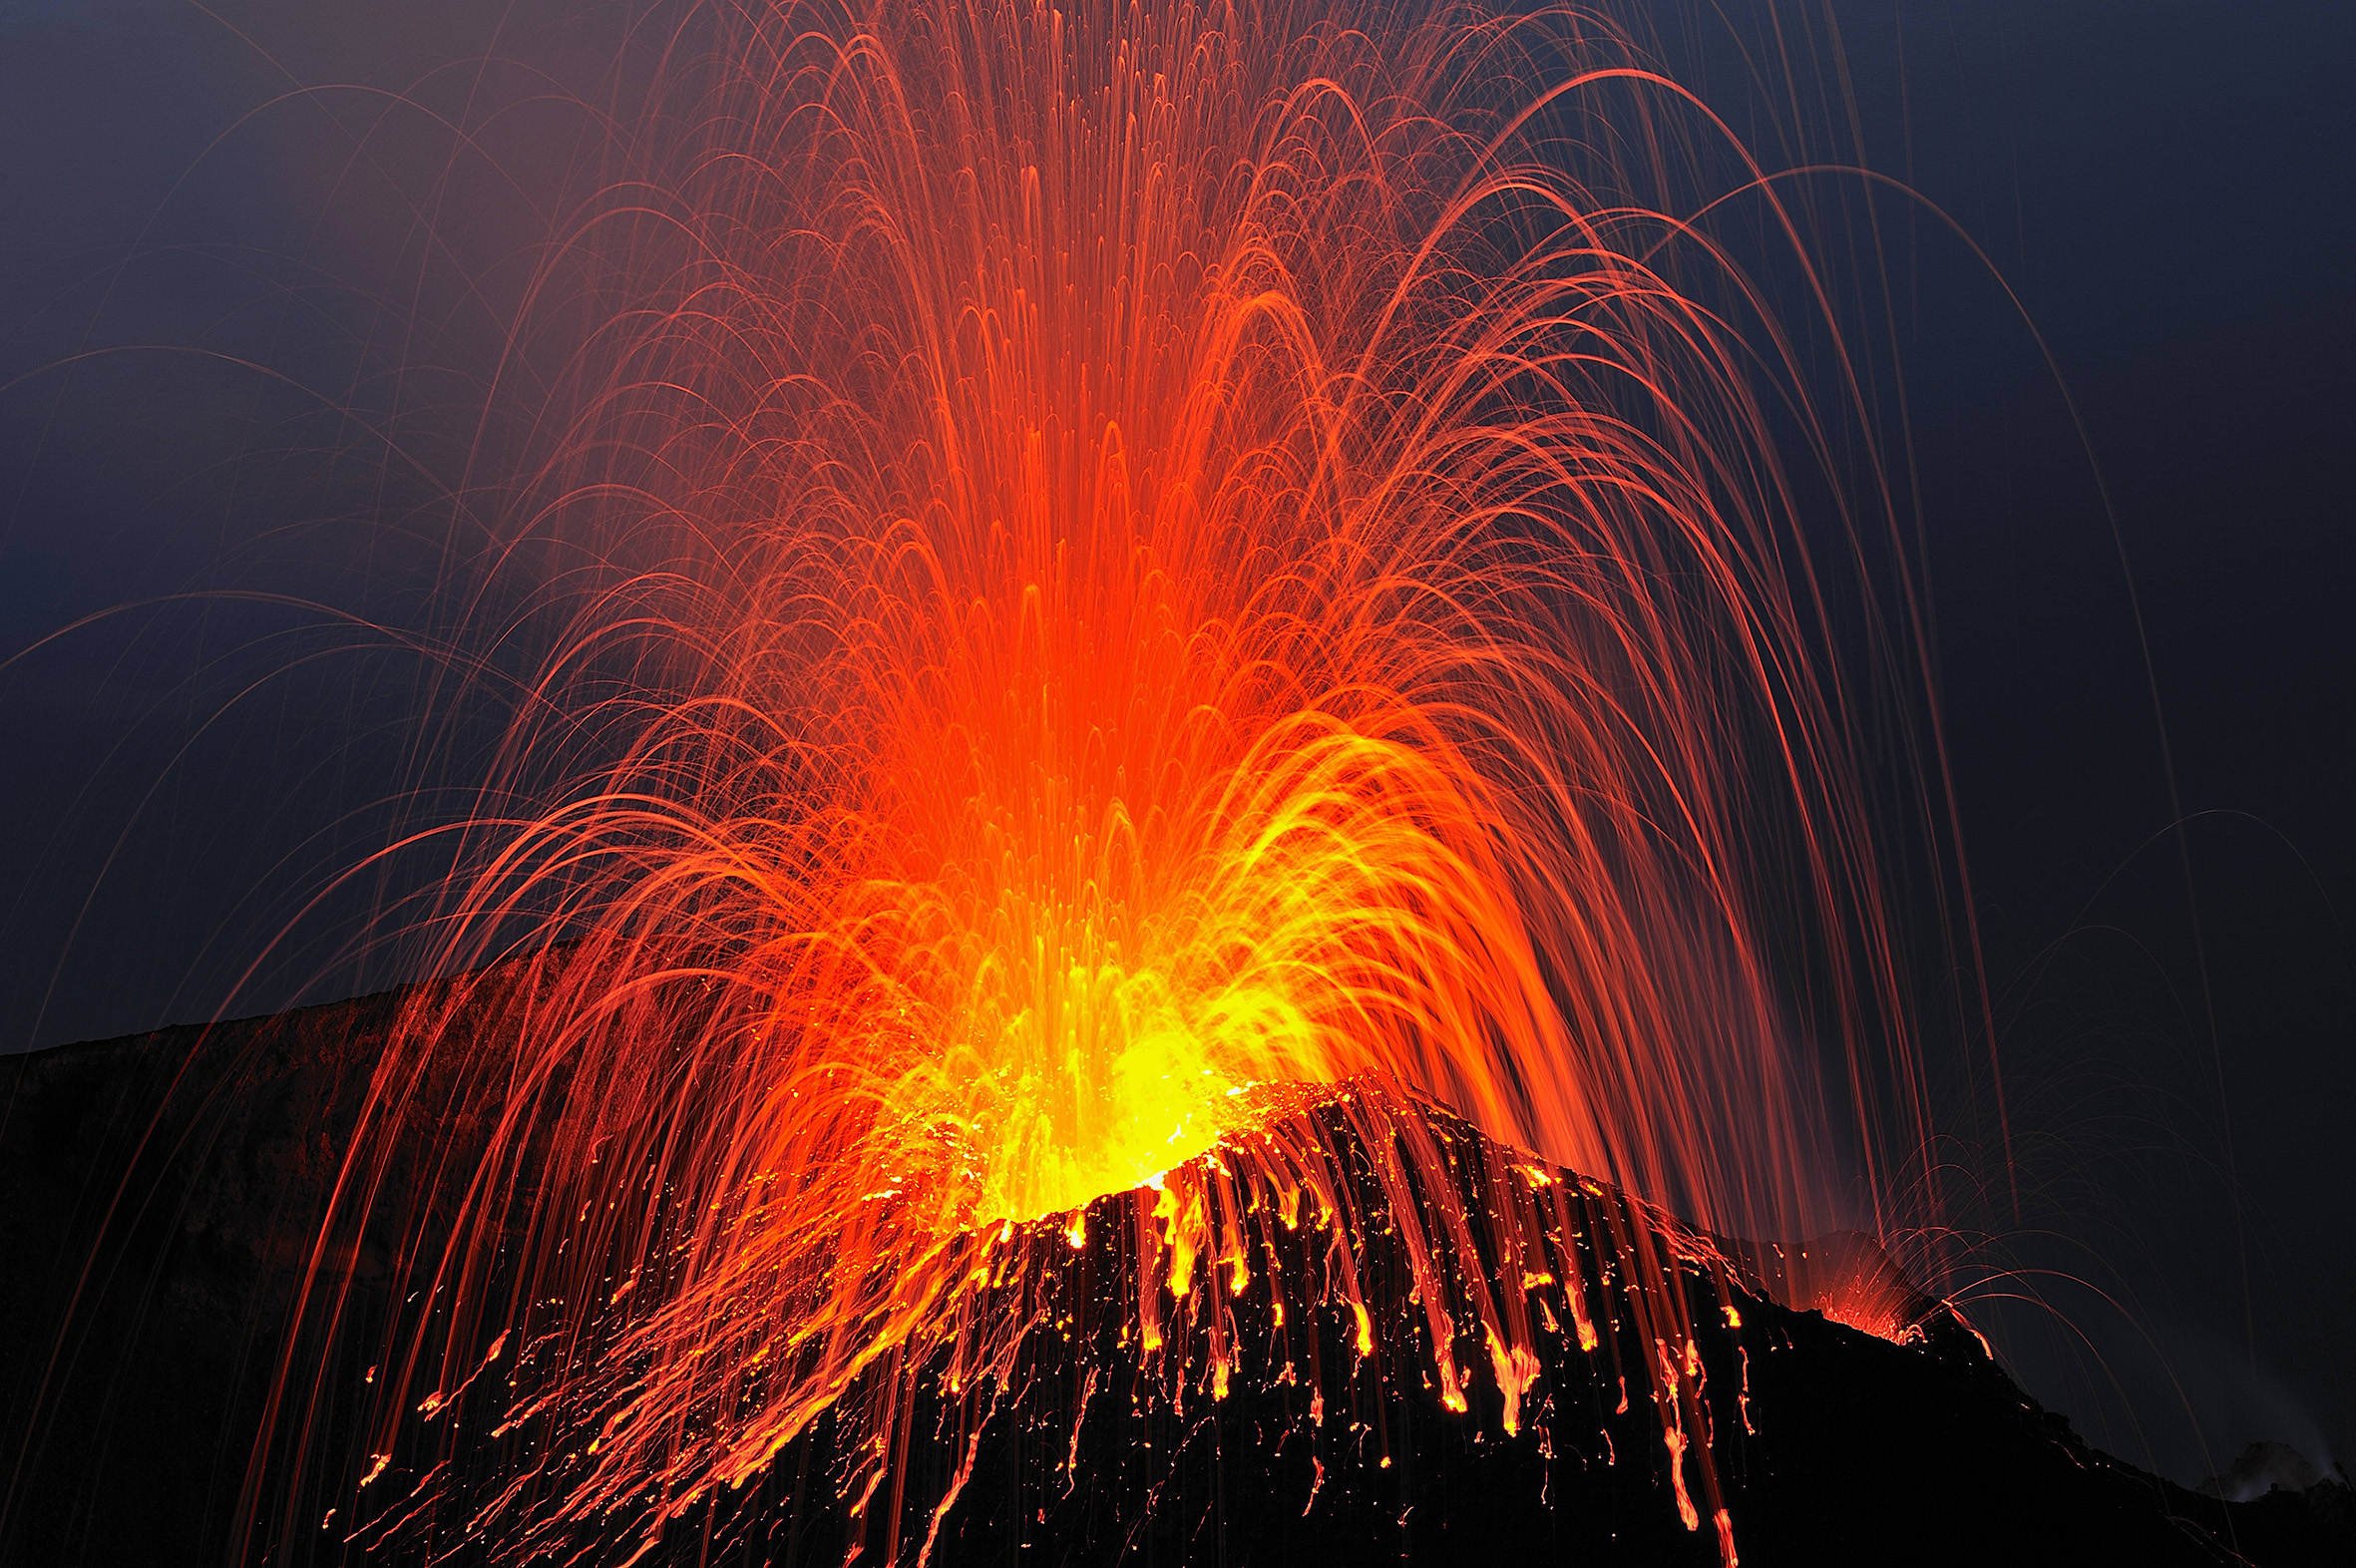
x=1135, y=601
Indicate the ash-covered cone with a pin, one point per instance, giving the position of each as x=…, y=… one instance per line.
x=160, y=1200
x=2263, y=1470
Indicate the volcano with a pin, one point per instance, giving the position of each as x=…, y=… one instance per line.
x=163, y=1194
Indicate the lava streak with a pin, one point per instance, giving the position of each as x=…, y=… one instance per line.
x=1112, y=563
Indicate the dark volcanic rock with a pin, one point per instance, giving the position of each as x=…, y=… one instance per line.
x=155, y=1195
x=158, y=1197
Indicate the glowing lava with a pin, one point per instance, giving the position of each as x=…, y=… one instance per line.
x=1114, y=563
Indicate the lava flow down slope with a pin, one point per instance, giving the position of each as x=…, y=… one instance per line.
x=1319, y=1433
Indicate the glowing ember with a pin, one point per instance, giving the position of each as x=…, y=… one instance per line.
x=1142, y=561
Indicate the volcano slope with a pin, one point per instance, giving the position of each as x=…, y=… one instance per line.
x=160, y=1196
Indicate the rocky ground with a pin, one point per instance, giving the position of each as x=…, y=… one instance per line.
x=158, y=1198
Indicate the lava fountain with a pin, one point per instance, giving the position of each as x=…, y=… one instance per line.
x=1118, y=570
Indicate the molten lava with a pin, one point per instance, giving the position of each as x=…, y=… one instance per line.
x=1113, y=567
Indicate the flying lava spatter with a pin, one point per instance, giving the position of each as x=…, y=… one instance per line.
x=1121, y=566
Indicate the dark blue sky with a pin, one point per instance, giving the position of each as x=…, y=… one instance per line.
x=2171, y=188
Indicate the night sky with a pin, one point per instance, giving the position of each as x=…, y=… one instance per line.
x=220, y=411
